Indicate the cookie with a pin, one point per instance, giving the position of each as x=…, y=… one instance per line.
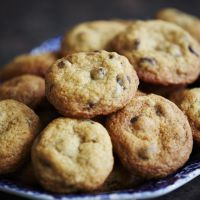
x=19, y=125
x=188, y=22
x=28, y=64
x=120, y=178
x=162, y=53
x=28, y=89
x=91, y=36
x=189, y=102
x=151, y=136
x=72, y=155
x=88, y=84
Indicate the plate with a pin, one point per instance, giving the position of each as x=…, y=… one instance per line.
x=150, y=189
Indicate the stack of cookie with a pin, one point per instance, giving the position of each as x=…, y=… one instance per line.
x=69, y=111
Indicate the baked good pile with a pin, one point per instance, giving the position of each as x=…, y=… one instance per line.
x=119, y=104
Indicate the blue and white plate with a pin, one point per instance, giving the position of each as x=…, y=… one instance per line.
x=150, y=189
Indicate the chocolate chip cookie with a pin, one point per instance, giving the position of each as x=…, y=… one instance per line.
x=162, y=53
x=19, y=125
x=72, y=155
x=28, y=64
x=186, y=21
x=189, y=102
x=91, y=36
x=28, y=89
x=151, y=136
x=88, y=84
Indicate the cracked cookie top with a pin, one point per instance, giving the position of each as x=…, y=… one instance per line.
x=72, y=155
x=90, y=84
x=36, y=64
x=28, y=89
x=189, y=102
x=91, y=36
x=188, y=22
x=151, y=135
x=19, y=126
x=161, y=52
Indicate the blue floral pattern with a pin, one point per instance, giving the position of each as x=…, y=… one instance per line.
x=150, y=189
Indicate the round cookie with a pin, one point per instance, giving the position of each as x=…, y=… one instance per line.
x=36, y=64
x=188, y=22
x=19, y=125
x=162, y=53
x=85, y=85
x=91, y=36
x=151, y=136
x=72, y=155
x=28, y=89
x=189, y=102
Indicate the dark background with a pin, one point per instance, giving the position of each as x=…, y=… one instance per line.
x=24, y=24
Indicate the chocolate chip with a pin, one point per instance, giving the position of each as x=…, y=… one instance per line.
x=120, y=81
x=90, y=105
x=159, y=110
x=111, y=56
x=136, y=44
x=94, y=140
x=122, y=63
x=198, y=128
x=44, y=162
x=150, y=61
x=193, y=51
x=134, y=119
x=129, y=79
x=61, y=64
x=143, y=154
x=98, y=73
x=70, y=59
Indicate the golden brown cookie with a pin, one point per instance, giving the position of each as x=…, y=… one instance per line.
x=19, y=125
x=189, y=102
x=91, y=36
x=28, y=89
x=85, y=85
x=72, y=155
x=161, y=52
x=188, y=22
x=151, y=136
x=36, y=64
